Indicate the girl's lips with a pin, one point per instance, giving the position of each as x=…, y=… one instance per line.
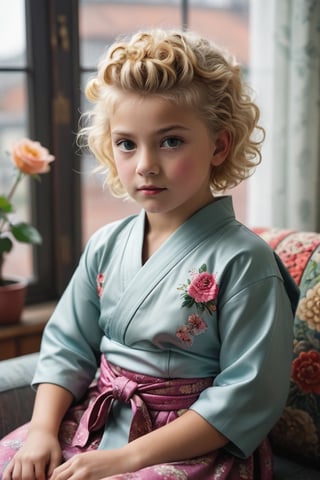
x=151, y=190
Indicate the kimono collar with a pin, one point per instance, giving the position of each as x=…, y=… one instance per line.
x=141, y=280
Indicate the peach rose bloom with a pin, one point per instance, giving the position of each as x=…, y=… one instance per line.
x=31, y=157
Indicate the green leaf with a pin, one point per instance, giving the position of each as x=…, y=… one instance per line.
x=201, y=306
x=5, y=245
x=5, y=205
x=188, y=302
x=203, y=268
x=25, y=233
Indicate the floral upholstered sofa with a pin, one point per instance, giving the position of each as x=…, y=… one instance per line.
x=296, y=436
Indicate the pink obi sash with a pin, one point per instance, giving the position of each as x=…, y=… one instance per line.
x=154, y=401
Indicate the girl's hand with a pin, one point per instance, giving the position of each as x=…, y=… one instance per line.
x=186, y=437
x=93, y=465
x=37, y=458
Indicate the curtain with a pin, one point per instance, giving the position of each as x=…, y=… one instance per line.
x=285, y=74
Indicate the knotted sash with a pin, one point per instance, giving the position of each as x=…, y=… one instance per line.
x=154, y=401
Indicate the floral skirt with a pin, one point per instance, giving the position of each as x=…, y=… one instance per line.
x=218, y=465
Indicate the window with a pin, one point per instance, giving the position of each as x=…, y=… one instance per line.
x=47, y=67
x=24, y=68
x=13, y=102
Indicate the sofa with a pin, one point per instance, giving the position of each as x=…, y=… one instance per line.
x=296, y=436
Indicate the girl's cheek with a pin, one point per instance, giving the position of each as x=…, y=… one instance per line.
x=121, y=166
x=181, y=168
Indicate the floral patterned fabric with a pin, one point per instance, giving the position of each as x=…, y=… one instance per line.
x=77, y=435
x=218, y=465
x=154, y=401
x=297, y=433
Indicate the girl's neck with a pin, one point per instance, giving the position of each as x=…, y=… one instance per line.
x=159, y=227
x=155, y=234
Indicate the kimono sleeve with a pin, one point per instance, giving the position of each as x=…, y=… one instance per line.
x=249, y=393
x=70, y=344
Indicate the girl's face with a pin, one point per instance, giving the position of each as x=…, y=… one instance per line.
x=164, y=155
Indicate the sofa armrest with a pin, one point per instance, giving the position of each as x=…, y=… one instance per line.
x=16, y=394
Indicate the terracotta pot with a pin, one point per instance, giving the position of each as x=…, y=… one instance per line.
x=12, y=299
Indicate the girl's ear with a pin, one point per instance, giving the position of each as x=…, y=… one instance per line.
x=222, y=147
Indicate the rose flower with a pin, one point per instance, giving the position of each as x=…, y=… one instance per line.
x=32, y=159
x=203, y=287
x=306, y=371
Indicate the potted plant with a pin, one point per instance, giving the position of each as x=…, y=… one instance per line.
x=31, y=159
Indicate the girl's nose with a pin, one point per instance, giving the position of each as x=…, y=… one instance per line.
x=147, y=163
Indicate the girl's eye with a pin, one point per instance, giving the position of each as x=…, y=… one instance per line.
x=126, y=145
x=172, y=142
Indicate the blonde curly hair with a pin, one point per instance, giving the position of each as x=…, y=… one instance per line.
x=190, y=71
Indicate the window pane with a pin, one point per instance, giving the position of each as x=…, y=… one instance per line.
x=102, y=21
x=13, y=127
x=227, y=25
x=12, y=34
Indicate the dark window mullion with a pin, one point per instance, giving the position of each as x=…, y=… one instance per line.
x=53, y=93
x=65, y=119
x=39, y=104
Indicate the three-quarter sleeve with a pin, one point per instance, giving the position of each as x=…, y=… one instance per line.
x=69, y=352
x=249, y=393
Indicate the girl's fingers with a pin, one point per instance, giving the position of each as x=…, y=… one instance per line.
x=40, y=471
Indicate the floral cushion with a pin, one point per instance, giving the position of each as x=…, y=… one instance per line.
x=297, y=433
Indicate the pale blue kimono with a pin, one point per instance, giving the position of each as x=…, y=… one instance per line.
x=246, y=344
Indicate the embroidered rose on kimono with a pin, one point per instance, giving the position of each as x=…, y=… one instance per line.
x=203, y=288
x=200, y=292
x=100, y=280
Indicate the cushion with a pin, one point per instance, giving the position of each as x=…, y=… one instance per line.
x=16, y=394
x=284, y=469
x=297, y=433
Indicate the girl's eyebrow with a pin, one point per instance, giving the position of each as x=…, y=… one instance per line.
x=161, y=131
x=172, y=127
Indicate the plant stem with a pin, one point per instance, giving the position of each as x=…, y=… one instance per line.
x=1, y=267
x=16, y=183
x=18, y=179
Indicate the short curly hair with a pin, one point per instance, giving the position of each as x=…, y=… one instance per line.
x=187, y=69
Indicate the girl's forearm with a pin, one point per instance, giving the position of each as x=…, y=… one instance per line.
x=186, y=437
x=51, y=403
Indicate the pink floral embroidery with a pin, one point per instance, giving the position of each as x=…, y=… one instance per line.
x=203, y=287
x=196, y=326
x=200, y=291
x=100, y=280
x=185, y=335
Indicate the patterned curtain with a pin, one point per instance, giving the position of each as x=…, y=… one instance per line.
x=285, y=74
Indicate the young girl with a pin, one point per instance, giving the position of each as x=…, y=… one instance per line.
x=185, y=310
